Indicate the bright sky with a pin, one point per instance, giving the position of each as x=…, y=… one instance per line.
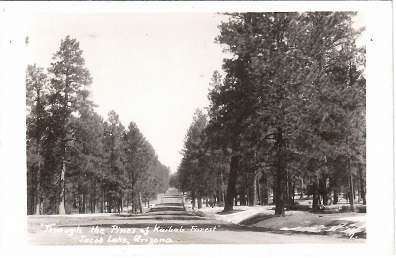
x=152, y=69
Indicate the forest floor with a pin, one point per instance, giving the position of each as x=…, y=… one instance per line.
x=335, y=224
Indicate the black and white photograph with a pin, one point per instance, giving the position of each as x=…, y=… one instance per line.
x=200, y=127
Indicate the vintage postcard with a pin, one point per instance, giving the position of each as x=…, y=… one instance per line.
x=196, y=128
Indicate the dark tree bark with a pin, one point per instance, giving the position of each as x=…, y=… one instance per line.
x=122, y=201
x=293, y=189
x=334, y=187
x=287, y=191
x=231, y=188
x=362, y=184
x=315, y=196
x=351, y=188
x=92, y=196
x=214, y=200
x=219, y=198
x=102, y=206
x=83, y=203
x=140, y=203
x=61, y=207
x=259, y=190
x=267, y=190
x=280, y=175
x=279, y=198
x=39, y=197
x=199, y=200
x=135, y=202
x=323, y=190
x=193, y=199
x=222, y=195
x=335, y=196
x=254, y=192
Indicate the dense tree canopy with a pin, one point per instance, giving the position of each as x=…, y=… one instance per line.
x=77, y=161
x=287, y=114
x=289, y=107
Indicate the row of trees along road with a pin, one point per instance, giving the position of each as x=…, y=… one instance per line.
x=76, y=161
x=287, y=114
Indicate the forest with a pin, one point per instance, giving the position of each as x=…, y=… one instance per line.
x=287, y=115
x=78, y=162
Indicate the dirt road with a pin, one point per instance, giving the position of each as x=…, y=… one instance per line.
x=166, y=223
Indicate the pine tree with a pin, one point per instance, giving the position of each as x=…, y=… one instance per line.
x=191, y=170
x=86, y=159
x=115, y=162
x=36, y=102
x=138, y=156
x=69, y=80
x=273, y=98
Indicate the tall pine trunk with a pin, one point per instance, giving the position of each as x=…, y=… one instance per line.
x=323, y=189
x=39, y=197
x=231, y=188
x=279, y=177
x=315, y=196
x=102, y=207
x=121, y=201
x=83, y=196
x=93, y=198
x=222, y=195
x=259, y=191
x=334, y=187
x=61, y=208
x=133, y=202
x=255, y=190
x=362, y=184
x=140, y=203
x=127, y=202
x=267, y=190
x=290, y=189
x=219, y=198
x=193, y=199
x=199, y=199
x=302, y=188
x=279, y=196
x=351, y=188
x=335, y=196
